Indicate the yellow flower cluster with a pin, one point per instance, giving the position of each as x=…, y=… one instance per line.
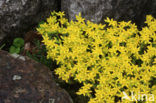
x=107, y=59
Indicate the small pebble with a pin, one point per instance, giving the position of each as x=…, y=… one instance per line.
x=17, y=77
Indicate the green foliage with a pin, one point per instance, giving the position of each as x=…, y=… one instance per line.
x=18, y=42
x=17, y=45
x=14, y=49
x=107, y=59
x=38, y=53
x=2, y=46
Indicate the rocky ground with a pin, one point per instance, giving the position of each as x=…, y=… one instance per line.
x=23, y=79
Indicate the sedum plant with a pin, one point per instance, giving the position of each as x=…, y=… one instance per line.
x=106, y=58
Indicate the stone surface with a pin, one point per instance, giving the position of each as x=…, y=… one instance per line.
x=98, y=10
x=23, y=80
x=17, y=16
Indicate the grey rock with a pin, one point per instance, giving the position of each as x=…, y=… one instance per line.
x=28, y=82
x=98, y=10
x=17, y=16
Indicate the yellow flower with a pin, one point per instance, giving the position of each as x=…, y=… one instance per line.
x=85, y=90
x=105, y=59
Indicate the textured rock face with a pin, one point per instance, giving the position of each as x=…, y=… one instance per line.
x=23, y=80
x=19, y=15
x=97, y=10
